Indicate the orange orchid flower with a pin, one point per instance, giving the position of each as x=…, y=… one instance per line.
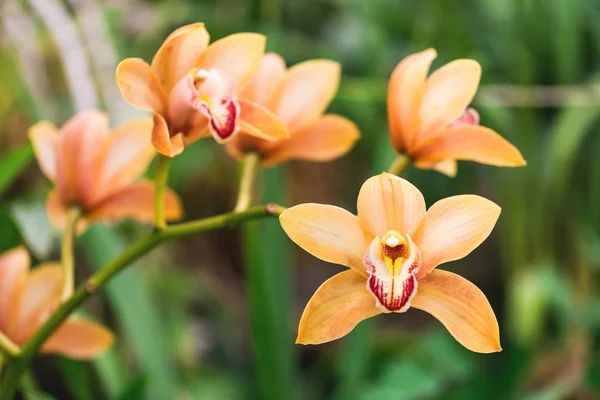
x=299, y=96
x=430, y=120
x=95, y=169
x=392, y=249
x=28, y=298
x=192, y=87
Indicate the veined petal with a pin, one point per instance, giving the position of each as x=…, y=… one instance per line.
x=405, y=91
x=262, y=123
x=387, y=202
x=266, y=83
x=330, y=137
x=329, y=233
x=452, y=228
x=44, y=138
x=179, y=53
x=136, y=201
x=139, y=86
x=128, y=153
x=469, y=142
x=448, y=92
x=336, y=308
x=161, y=139
x=307, y=90
x=462, y=308
x=80, y=340
x=40, y=295
x=238, y=56
x=14, y=265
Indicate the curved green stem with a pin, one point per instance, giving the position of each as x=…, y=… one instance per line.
x=7, y=347
x=249, y=166
x=399, y=165
x=66, y=250
x=21, y=361
x=162, y=175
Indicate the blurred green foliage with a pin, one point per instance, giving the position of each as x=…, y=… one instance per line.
x=213, y=317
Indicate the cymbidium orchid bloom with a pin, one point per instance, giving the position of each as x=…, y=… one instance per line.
x=192, y=88
x=431, y=122
x=392, y=249
x=95, y=169
x=28, y=298
x=299, y=96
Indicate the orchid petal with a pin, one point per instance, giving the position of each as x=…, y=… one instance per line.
x=162, y=141
x=336, y=308
x=462, y=308
x=79, y=340
x=256, y=120
x=44, y=138
x=387, y=202
x=329, y=233
x=266, y=83
x=453, y=228
x=14, y=265
x=139, y=86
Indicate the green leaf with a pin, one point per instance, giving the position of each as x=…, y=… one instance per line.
x=12, y=164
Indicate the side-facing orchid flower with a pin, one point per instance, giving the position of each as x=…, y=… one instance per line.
x=95, y=169
x=192, y=87
x=299, y=96
x=392, y=249
x=431, y=122
x=29, y=297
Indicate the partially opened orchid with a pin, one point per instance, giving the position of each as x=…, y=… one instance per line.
x=299, y=96
x=95, y=169
x=431, y=122
x=392, y=249
x=29, y=297
x=192, y=88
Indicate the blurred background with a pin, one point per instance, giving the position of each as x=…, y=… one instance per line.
x=215, y=316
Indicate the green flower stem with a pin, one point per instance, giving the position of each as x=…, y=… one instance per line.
x=21, y=361
x=66, y=249
x=249, y=166
x=399, y=165
x=7, y=347
x=162, y=175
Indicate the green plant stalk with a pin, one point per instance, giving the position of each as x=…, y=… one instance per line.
x=21, y=361
x=7, y=347
x=162, y=175
x=399, y=165
x=66, y=250
x=249, y=166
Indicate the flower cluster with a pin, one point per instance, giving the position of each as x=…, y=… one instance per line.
x=253, y=104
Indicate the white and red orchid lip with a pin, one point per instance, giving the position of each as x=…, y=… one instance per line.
x=392, y=264
x=217, y=100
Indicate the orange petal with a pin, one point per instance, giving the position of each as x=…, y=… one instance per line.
x=44, y=138
x=387, y=202
x=329, y=233
x=80, y=340
x=80, y=155
x=256, y=120
x=452, y=228
x=136, y=201
x=266, y=83
x=336, y=308
x=162, y=141
x=446, y=167
x=469, y=142
x=40, y=296
x=128, y=153
x=448, y=92
x=179, y=53
x=405, y=91
x=139, y=86
x=182, y=101
x=462, y=308
x=238, y=56
x=14, y=265
x=330, y=137
x=307, y=90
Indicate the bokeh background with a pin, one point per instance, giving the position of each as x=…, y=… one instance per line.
x=215, y=316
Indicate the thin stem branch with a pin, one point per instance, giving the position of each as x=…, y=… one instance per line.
x=249, y=166
x=21, y=361
x=66, y=249
x=399, y=165
x=162, y=175
x=7, y=347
